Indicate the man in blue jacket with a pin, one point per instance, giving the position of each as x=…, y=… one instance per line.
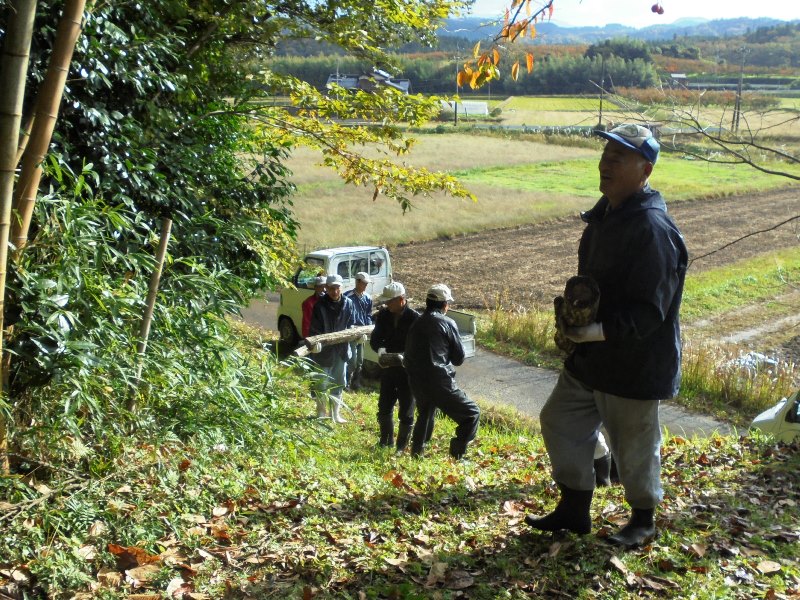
x=333, y=312
x=362, y=304
x=629, y=359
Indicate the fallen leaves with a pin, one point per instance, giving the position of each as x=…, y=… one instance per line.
x=434, y=529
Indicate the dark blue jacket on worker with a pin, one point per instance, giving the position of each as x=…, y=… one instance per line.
x=638, y=257
x=330, y=316
x=362, y=306
x=433, y=346
x=391, y=332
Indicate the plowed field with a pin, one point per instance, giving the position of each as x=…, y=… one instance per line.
x=528, y=265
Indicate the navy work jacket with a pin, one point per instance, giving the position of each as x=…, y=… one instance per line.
x=433, y=346
x=391, y=333
x=638, y=257
x=329, y=316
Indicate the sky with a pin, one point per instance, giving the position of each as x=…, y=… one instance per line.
x=637, y=13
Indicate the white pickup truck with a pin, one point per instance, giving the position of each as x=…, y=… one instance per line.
x=347, y=261
x=782, y=420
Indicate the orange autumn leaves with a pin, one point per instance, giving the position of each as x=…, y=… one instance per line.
x=484, y=66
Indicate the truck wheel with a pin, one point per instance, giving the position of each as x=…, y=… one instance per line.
x=288, y=333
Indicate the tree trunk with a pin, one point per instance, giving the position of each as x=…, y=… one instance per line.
x=147, y=318
x=13, y=70
x=337, y=337
x=48, y=102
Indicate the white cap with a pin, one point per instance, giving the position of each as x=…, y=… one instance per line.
x=334, y=280
x=363, y=276
x=440, y=293
x=319, y=280
x=392, y=291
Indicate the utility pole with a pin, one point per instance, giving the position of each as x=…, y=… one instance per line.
x=602, y=90
x=737, y=107
x=455, y=102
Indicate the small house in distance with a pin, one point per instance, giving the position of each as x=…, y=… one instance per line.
x=678, y=80
x=369, y=82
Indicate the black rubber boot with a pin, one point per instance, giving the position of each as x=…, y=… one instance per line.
x=640, y=530
x=571, y=513
x=355, y=381
x=614, y=475
x=457, y=449
x=386, y=439
x=602, y=471
x=403, y=435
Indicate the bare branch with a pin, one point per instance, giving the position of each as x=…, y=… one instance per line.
x=744, y=237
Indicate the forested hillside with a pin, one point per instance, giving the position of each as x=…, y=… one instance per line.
x=770, y=57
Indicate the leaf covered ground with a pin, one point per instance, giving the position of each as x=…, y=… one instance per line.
x=322, y=513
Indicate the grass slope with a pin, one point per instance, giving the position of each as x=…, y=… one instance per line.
x=334, y=517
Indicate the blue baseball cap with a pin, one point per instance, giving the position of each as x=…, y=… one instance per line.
x=636, y=138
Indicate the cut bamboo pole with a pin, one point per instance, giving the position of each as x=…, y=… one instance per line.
x=337, y=337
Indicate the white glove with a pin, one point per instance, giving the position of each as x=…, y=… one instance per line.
x=315, y=348
x=381, y=351
x=588, y=333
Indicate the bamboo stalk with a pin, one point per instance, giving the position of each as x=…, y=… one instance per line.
x=48, y=102
x=147, y=317
x=13, y=70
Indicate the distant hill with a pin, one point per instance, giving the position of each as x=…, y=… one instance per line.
x=475, y=29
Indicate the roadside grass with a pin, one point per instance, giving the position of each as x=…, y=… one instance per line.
x=715, y=291
x=717, y=380
x=514, y=181
x=325, y=514
x=732, y=384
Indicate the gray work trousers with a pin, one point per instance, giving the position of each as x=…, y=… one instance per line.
x=333, y=378
x=570, y=420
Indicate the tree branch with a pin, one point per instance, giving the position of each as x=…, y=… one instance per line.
x=744, y=237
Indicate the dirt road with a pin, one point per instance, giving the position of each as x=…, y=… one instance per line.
x=528, y=265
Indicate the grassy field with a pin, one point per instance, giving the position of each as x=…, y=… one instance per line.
x=514, y=181
x=712, y=292
x=551, y=103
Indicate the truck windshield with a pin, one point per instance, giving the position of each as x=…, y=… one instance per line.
x=304, y=278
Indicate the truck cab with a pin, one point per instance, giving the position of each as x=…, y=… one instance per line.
x=345, y=261
x=782, y=420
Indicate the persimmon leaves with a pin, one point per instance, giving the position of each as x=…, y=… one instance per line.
x=484, y=66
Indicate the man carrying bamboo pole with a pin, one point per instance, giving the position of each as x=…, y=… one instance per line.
x=333, y=312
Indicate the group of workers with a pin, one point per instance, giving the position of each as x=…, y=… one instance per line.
x=622, y=365
x=426, y=349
